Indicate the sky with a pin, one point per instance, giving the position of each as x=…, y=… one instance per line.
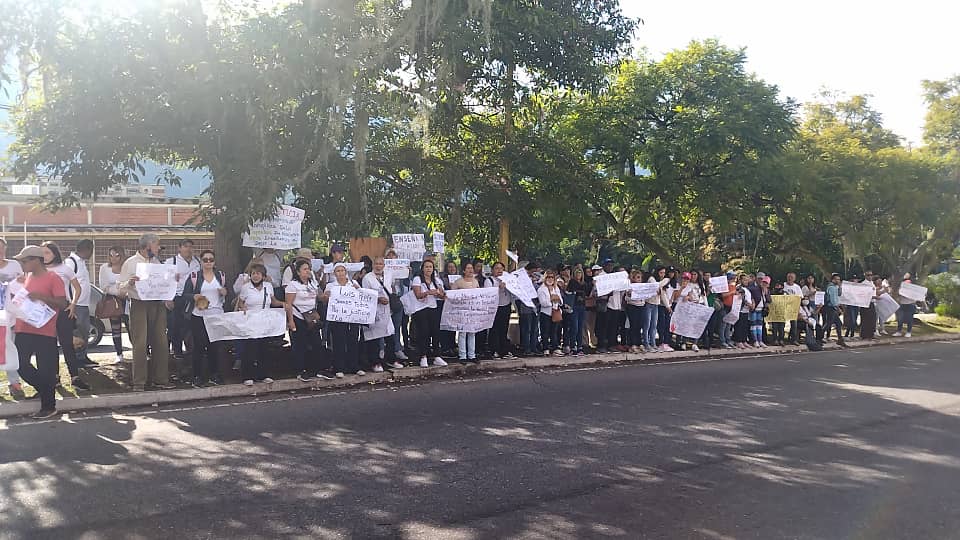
x=881, y=48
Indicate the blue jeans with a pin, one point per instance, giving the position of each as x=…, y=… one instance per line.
x=397, y=318
x=638, y=322
x=529, y=332
x=467, y=342
x=575, y=331
x=652, y=312
x=905, y=315
x=663, y=325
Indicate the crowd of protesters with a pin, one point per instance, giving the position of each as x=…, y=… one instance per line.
x=567, y=316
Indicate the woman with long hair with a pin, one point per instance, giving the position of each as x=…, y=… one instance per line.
x=109, y=279
x=255, y=294
x=53, y=260
x=302, y=292
x=204, y=293
x=428, y=288
x=551, y=301
x=344, y=336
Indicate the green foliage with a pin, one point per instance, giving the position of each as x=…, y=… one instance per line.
x=946, y=288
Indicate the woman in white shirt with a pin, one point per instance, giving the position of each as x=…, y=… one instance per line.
x=304, y=323
x=499, y=343
x=467, y=341
x=109, y=279
x=652, y=307
x=53, y=260
x=9, y=271
x=344, y=336
x=204, y=293
x=255, y=294
x=636, y=313
x=551, y=299
x=690, y=290
x=428, y=288
x=741, y=330
x=380, y=350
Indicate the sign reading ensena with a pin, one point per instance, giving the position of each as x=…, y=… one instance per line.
x=409, y=246
x=279, y=232
x=351, y=305
x=469, y=310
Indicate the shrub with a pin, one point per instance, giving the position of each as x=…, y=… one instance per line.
x=946, y=288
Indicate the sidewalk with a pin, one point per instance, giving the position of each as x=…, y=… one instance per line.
x=157, y=398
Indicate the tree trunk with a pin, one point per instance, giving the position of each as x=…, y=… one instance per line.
x=226, y=244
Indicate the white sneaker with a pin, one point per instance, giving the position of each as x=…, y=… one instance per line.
x=267, y=380
x=119, y=359
x=248, y=382
x=378, y=368
x=694, y=348
x=340, y=375
x=558, y=352
x=396, y=365
x=401, y=356
x=424, y=363
x=907, y=335
x=439, y=362
x=666, y=348
x=381, y=354
x=361, y=373
x=897, y=334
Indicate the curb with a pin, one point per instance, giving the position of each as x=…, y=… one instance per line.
x=166, y=397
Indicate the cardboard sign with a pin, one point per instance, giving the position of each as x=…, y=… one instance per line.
x=784, y=308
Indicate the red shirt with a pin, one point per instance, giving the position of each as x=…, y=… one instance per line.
x=48, y=284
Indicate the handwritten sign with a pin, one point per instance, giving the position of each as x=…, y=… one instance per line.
x=409, y=246
x=352, y=268
x=280, y=232
x=608, y=283
x=412, y=304
x=783, y=308
x=351, y=305
x=382, y=326
x=396, y=268
x=36, y=314
x=719, y=285
x=913, y=292
x=255, y=324
x=690, y=319
x=453, y=278
x=519, y=284
x=819, y=297
x=438, y=242
x=734, y=315
x=469, y=310
x=643, y=291
x=886, y=307
x=856, y=294
x=157, y=281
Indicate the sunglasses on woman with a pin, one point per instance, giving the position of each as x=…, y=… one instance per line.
x=207, y=259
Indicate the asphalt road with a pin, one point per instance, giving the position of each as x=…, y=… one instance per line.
x=851, y=444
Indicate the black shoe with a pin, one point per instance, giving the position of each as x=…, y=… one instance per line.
x=304, y=377
x=88, y=363
x=164, y=386
x=326, y=375
x=79, y=383
x=43, y=414
x=197, y=383
x=215, y=381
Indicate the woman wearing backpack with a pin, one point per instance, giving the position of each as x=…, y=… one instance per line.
x=204, y=294
x=255, y=294
x=428, y=288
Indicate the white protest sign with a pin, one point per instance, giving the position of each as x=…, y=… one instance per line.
x=157, y=281
x=254, y=324
x=280, y=232
x=513, y=256
x=643, y=291
x=453, y=278
x=690, y=319
x=913, y=292
x=316, y=265
x=412, y=304
x=9, y=357
x=409, y=246
x=469, y=310
x=352, y=268
x=438, y=242
x=608, y=283
x=734, y=315
x=382, y=326
x=36, y=314
x=856, y=294
x=520, y=285
x=886, y=307
x=719, y=285
x=349, y=304
x=818, y=297
x=398, y=268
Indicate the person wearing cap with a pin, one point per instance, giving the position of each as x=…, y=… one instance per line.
x=831, y=311
x=46, y=287
x=148, y=321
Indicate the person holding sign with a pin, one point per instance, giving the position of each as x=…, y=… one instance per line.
x=499, y=342
x=551, y=315
x=577, y=289
x=380, y=350
x=690, y=290
x=65, y=322
x=467, y=341
x=203, y=295
x=256, y=294
x=908, y=308
x=636, y=311
x=831, y=311
x=428, y=288
x=303, y=321
x=45, y=287
x=397, y=288
x=344, y=337
x=148, y=320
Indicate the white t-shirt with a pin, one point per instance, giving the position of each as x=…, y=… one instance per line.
x=747, y=298
x=690, y=289
x=616, y=301
x=306, y=296
x=10, y=271
x=211, y=290
x=253, y=298
x=372, y=281
x=184, y=269
x=431, y=301
x=546, y=304
x=792, y=289
x=83, y=276
x=66, y=275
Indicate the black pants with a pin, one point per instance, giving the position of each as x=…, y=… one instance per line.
x=43, y=377
x=600, y=329
x=741, y=330
x=253, y=359
x=345, y=345
x=831, y=318
x=65, y=337
x=483, y=343
x=614, y=326
x=549, y=333
x=426, y=326
x=205, y=364
x=308, y=353
x=178, y=324
x=499, y=343
x=779, y=329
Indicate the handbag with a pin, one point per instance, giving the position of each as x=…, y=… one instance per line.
x=109, y=307
x=312, y=318
x=556, y=315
